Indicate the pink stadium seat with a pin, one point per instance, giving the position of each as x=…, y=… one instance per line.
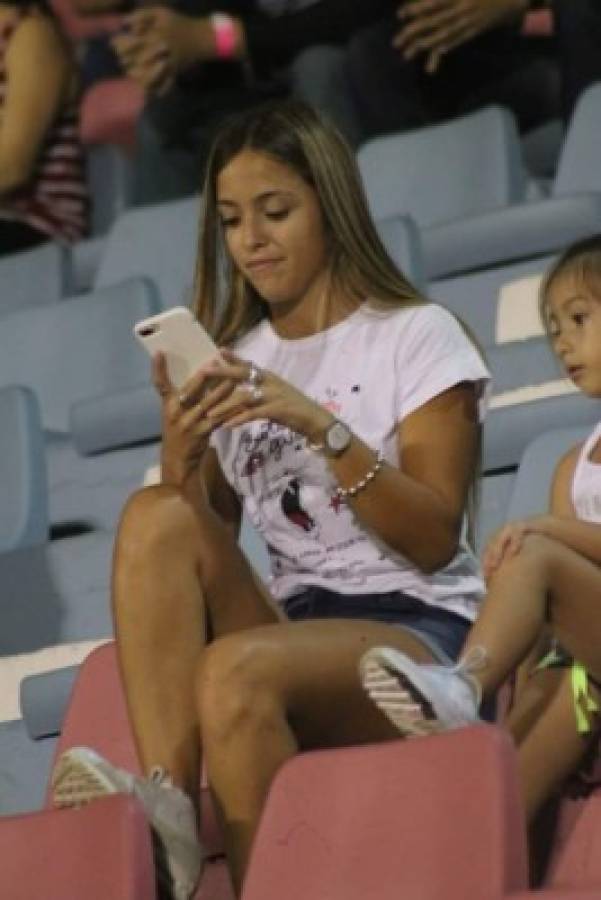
x=577, y=864
x=434, y=798
x=97, y=717
x=538, y=23
x=566, y=894
x=99, y=852
x=109, y=111
x=430, y=819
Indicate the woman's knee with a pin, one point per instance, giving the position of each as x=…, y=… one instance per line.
x=237, y=685
x=154, y=518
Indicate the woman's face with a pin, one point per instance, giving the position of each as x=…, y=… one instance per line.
x=274, y=231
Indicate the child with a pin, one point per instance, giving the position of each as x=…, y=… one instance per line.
x=542, y=572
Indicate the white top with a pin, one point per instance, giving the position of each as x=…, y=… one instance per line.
x=371, y=370
x=586, y=481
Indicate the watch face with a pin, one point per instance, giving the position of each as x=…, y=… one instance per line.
x=338, y=437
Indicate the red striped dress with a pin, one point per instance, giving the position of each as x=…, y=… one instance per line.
x=54, y=200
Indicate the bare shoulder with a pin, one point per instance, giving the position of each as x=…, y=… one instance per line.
x=561, y=498
x=38, y=37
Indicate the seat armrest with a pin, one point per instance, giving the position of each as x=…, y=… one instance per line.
x=509, y=234
x=44, y=700
x=115, y=420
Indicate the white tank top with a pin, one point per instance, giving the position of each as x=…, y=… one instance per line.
x=586, y=482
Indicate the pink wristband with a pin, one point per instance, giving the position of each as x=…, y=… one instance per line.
x=225, y=35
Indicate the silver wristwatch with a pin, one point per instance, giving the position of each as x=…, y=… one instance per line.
x=336, y=439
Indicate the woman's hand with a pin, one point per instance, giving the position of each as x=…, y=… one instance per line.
x=269, y=397
x=185, y=427
x=505, y=544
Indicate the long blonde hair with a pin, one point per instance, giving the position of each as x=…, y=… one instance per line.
x=293, y=134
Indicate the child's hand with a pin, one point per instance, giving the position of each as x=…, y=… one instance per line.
x=505, y=544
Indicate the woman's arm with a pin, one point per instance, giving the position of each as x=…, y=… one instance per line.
x=221, y=495
x=38, y=70
x=418, y=510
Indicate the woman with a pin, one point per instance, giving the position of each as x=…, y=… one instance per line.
x=346, y=424
x=42, y=192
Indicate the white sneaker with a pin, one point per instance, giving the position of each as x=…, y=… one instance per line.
x=418, y=698
x=82, y=775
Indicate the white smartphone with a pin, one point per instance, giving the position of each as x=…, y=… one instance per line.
x=182, y=339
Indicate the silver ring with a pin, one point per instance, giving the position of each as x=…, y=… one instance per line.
x=254, y=375
x=254, y=390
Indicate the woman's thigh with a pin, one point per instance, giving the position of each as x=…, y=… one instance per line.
x=312, y=667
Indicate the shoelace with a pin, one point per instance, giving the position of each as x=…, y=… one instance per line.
x=474, y=661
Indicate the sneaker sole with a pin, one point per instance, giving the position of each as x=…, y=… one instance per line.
x=398, y=697
x=77, y=781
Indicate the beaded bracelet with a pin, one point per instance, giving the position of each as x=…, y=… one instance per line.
x=353, y=490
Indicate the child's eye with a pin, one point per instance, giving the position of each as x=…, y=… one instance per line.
x=229, y=223
x=579, y=318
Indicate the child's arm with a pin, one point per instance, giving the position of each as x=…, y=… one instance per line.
x=561, y=524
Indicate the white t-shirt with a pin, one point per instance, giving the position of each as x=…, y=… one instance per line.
x=370, y=370
x=586, y=481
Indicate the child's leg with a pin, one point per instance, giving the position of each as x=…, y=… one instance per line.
x=545, y=584
x=552, y=749
x=531, y=701
x=546, y=581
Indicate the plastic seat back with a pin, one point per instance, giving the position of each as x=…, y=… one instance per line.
x=159, y=242
x=32, y=278
x=24, y=507
x=78, y=349
x=434, y=818
x=578, y=168
x=447, y=171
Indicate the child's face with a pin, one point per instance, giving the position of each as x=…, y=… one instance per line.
x=574, y=321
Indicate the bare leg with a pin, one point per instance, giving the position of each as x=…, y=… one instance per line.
x=552, y=749
x=175, y=576
x=266, y=693
x=546, y=581
x=532, y=701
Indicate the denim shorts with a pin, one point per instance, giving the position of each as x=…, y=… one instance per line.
x=441, y=631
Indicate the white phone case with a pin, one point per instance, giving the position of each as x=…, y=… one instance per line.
x=182, y=339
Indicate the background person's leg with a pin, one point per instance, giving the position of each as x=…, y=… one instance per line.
x=319, y=76
x=578, y=29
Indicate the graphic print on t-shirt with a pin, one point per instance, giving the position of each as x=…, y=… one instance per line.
x=292, y=494
x=292, y=509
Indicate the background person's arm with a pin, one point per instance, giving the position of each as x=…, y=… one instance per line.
x=433, y=28
x=38, y=72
